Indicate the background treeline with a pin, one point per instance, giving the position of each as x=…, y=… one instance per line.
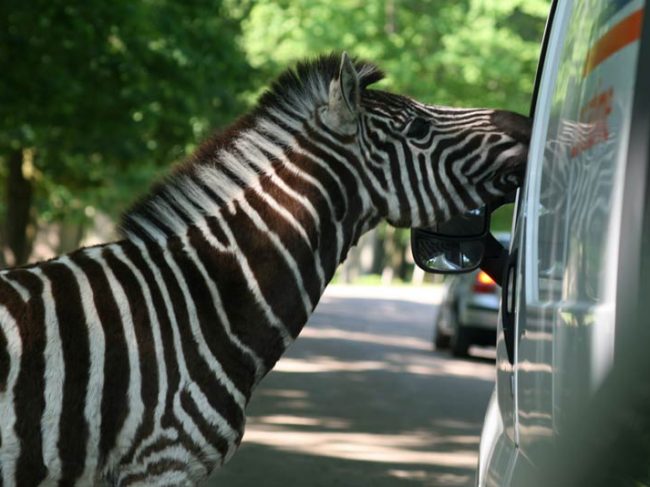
x=97, y=99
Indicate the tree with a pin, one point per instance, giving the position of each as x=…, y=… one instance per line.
x=95, y=92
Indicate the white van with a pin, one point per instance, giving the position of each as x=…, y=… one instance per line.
x=571, y=404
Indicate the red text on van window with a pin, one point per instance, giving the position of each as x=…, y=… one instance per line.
x=593, y=126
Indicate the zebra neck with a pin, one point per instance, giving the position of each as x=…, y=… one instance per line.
x=262, y=240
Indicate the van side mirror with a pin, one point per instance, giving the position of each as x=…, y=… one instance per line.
x=462, y=244
x=454, y=246
x=435, y=253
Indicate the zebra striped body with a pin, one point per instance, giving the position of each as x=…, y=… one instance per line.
x=131, y=363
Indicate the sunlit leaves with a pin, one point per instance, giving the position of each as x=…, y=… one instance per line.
x=465, y=52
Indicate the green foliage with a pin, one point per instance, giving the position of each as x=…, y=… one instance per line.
x=464, y=53
x=501, y=219
x=107, y=92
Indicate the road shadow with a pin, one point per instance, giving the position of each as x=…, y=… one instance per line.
x=280, y=468
x=361, y=399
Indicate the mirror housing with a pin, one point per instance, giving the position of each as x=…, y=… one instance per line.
x=473, y=224
x=462, y=244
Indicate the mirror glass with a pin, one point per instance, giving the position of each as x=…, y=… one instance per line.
x=474, y=223
x=435, y=254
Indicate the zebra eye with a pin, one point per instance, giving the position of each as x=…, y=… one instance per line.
x=418, y=128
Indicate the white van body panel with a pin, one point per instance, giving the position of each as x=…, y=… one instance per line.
x=567, y=234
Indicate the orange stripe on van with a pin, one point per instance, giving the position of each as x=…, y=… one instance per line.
x=625, y=32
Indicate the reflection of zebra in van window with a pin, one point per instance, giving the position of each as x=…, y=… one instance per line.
x=575, y=195
x=134, y=361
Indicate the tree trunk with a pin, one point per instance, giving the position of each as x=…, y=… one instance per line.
x=390, y=252
x=390, y=23
x=350, y=268
x=18, y=225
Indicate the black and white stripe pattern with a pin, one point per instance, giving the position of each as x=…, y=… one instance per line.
x=131, y=363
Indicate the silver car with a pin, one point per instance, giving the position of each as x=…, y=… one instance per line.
x=468, y=311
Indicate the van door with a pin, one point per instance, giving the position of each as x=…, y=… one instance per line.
x=570, y=223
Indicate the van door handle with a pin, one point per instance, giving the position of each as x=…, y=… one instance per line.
x=508, y=296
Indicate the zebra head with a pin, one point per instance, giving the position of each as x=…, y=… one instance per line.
x=425, y=163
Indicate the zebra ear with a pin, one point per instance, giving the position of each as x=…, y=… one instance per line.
x=344, y=94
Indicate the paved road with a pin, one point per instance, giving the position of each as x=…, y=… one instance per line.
x=362, y=400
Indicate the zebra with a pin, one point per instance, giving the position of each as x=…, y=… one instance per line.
x=131, y=363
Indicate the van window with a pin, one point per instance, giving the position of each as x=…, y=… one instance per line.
x=574, y=201
x=572, y=212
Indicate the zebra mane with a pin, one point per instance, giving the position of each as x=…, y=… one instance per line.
x=307, y=84
x=201, y=185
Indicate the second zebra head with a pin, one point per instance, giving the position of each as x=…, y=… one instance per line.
x=422, y=164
